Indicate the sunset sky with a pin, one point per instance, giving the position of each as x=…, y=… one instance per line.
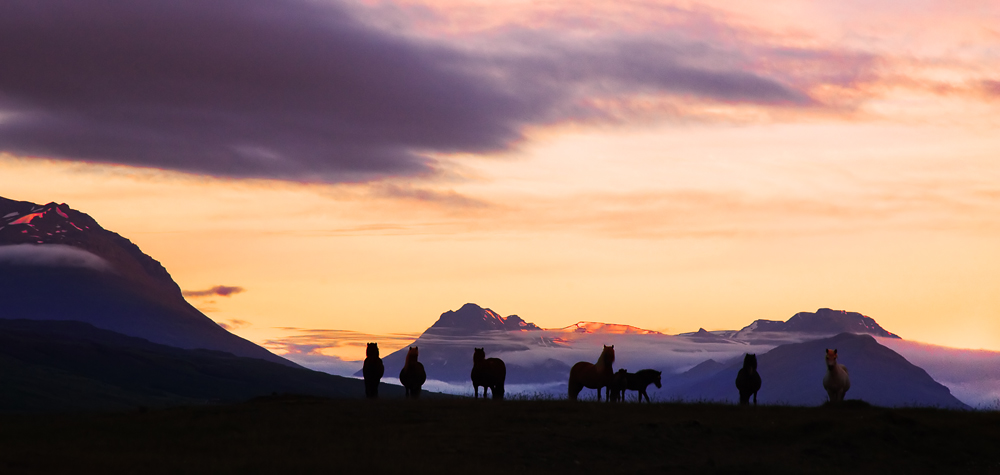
x=365, y=166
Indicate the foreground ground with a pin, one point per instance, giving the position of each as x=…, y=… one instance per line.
x=306, y=435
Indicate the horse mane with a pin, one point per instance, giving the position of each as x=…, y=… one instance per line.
x=607, y=356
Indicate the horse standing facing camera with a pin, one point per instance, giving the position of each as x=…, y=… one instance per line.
x=412, y=376
x=836, y=381
x=373, y=370
x=748, y=380
x=593, y=376
x=489, y=373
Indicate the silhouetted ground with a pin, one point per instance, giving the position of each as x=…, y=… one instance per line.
x=312, y=435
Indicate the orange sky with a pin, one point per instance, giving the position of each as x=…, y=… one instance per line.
x=684, y=214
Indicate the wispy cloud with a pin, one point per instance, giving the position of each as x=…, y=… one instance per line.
x=218, y=290
x=313, y=341
x=234, y=324
x=50, y=255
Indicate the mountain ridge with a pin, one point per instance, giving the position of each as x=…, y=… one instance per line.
x=135, y=296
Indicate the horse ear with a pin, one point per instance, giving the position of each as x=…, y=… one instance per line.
x=834, y=351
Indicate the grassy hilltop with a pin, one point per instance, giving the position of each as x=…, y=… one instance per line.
x=313, y=435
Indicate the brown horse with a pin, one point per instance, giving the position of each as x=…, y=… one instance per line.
x=373, y=371
x=748, y=380
x=593, y=376
x=412, y=376
x=618, y=385
x=835, y=381
x=488, y=373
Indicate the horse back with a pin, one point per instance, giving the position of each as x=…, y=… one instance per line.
x=413, y=374
x=748, y=381
x=373, y=368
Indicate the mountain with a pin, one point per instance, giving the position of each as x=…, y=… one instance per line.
x=57, y=263
x=472, y=319
x=446, y=347
x=793, y=374
x=823, y=322
x=66, y=365
x=610, y=328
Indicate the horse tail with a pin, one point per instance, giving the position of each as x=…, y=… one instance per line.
x=574, y=389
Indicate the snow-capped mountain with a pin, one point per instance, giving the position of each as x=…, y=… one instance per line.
x=608, y=328
x=823, y=322
x=472, y=319
x=57, y=263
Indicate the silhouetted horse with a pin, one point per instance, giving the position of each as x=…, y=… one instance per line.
x=747, y=380
x=489, y=373
x=640, y=379
x=412, y=376
x=618, y=385
x=373, y=371
x=836, y=381
x=593, y=376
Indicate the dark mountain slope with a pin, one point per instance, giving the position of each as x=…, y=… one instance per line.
x=67, y=365
x=793, y=374
x=134, y=295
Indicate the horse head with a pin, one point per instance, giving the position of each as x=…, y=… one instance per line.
x=750, y=361
x=478, y=354
x=411, y=354
x=608, y=355
x=657, y=380
x=372, y=351
x=831, y=357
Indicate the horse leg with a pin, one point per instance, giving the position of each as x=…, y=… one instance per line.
x=486, y=388
x=498, y=392
x=642, y=392
x=755, y=398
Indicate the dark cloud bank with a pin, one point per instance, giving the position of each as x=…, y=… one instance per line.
x=308, y=91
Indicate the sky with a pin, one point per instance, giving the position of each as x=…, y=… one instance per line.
x=357, y=168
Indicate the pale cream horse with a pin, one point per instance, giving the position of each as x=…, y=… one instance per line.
x=836, y=381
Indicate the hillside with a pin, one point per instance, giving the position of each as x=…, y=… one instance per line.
x=65, y=366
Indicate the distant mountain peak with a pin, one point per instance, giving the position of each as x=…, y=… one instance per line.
x=472, y=318
x=607, y=328
x=822, y=321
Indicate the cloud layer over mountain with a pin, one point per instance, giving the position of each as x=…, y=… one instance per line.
x=50, y=255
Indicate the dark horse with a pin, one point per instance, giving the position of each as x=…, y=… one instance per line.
x=412, y=376
x=488, y=373
x=593, y=376
x=639, y=380
x=748, y=381
x=373, y=371
x=618, y=384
